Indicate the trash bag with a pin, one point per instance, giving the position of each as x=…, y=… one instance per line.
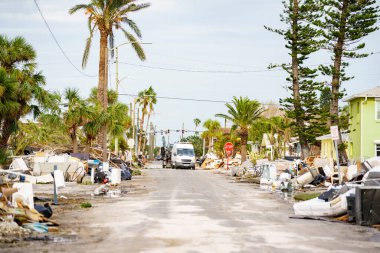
x=126, y=175
x=99, y=177
x=318, y=180
x=45, y=210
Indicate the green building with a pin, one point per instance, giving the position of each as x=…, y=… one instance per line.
x=364, y=137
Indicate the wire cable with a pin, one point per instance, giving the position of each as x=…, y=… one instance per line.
x=202, y=61
x=201, y=71
x=183, y=99
x=56, y=41
x=188, y=99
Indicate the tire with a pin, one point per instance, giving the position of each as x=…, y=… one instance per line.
x=163, y=166
x=193, y=168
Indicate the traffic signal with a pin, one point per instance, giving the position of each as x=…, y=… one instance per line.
x=162, y=132
x=183, y=131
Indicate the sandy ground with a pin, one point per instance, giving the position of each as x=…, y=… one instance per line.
x=195, y=211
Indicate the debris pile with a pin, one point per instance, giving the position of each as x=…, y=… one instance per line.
x=357, y=200
x=20, y=216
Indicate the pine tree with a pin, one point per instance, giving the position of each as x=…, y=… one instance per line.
x=344, y=25
x=301, y=37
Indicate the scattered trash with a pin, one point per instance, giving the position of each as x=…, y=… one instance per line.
x=114, y=193
x=36, y=227
x=101, y=190
x=45, y=210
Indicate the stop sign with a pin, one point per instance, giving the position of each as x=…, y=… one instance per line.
x=228, y=147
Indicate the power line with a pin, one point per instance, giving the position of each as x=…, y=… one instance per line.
x=202, y=61
x=183, y=99
x=56, y=41
x=200, y=71
x=188, y=99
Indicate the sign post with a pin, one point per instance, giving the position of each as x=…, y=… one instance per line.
x=228, y=147
x=335, y=137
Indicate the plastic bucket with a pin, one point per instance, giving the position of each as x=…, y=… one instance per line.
x=115, y=176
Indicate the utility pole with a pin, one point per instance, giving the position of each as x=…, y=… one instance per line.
x=204, y=147
x=151, y=142
x=117, y=81
x=117, y=93
x=183, y=130
x=137, y=131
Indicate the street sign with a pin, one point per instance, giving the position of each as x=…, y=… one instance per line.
x=334, y=133
x=228, y=146
x=131, y=143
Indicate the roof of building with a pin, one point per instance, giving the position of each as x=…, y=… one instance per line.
x=372, y=93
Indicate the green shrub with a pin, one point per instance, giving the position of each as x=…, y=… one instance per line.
x=85, y=205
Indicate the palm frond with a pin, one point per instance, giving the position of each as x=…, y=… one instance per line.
x=135, y=44
x=79, y=7
x=133, y=26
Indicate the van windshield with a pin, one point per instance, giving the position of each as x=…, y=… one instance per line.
x=185, y=152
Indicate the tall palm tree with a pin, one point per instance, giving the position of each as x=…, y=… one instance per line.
x=213, y=130
x=146, y=99
x=197, y=122
x=107, y=16
x=242, y=113
x=23, y=92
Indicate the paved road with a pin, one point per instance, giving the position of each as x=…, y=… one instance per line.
x=198, y=211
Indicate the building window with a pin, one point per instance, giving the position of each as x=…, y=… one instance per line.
x=377, y=109
x=377, y=149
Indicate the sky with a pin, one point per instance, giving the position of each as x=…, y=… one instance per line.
x=193, y=35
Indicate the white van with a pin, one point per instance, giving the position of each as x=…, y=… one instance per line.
x=183, y=156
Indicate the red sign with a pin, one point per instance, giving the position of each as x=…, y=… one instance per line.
x=228, y=147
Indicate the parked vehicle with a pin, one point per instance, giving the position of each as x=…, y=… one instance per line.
x=183, y=156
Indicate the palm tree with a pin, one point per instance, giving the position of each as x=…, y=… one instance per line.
x=213, y=130
x=243, y=113
x=23, y=91
x=146, y=99
x=118, y=120
x=197, y=122
x=115, y=118
x=76, y=116
x=280, y=126
x=107, y=16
